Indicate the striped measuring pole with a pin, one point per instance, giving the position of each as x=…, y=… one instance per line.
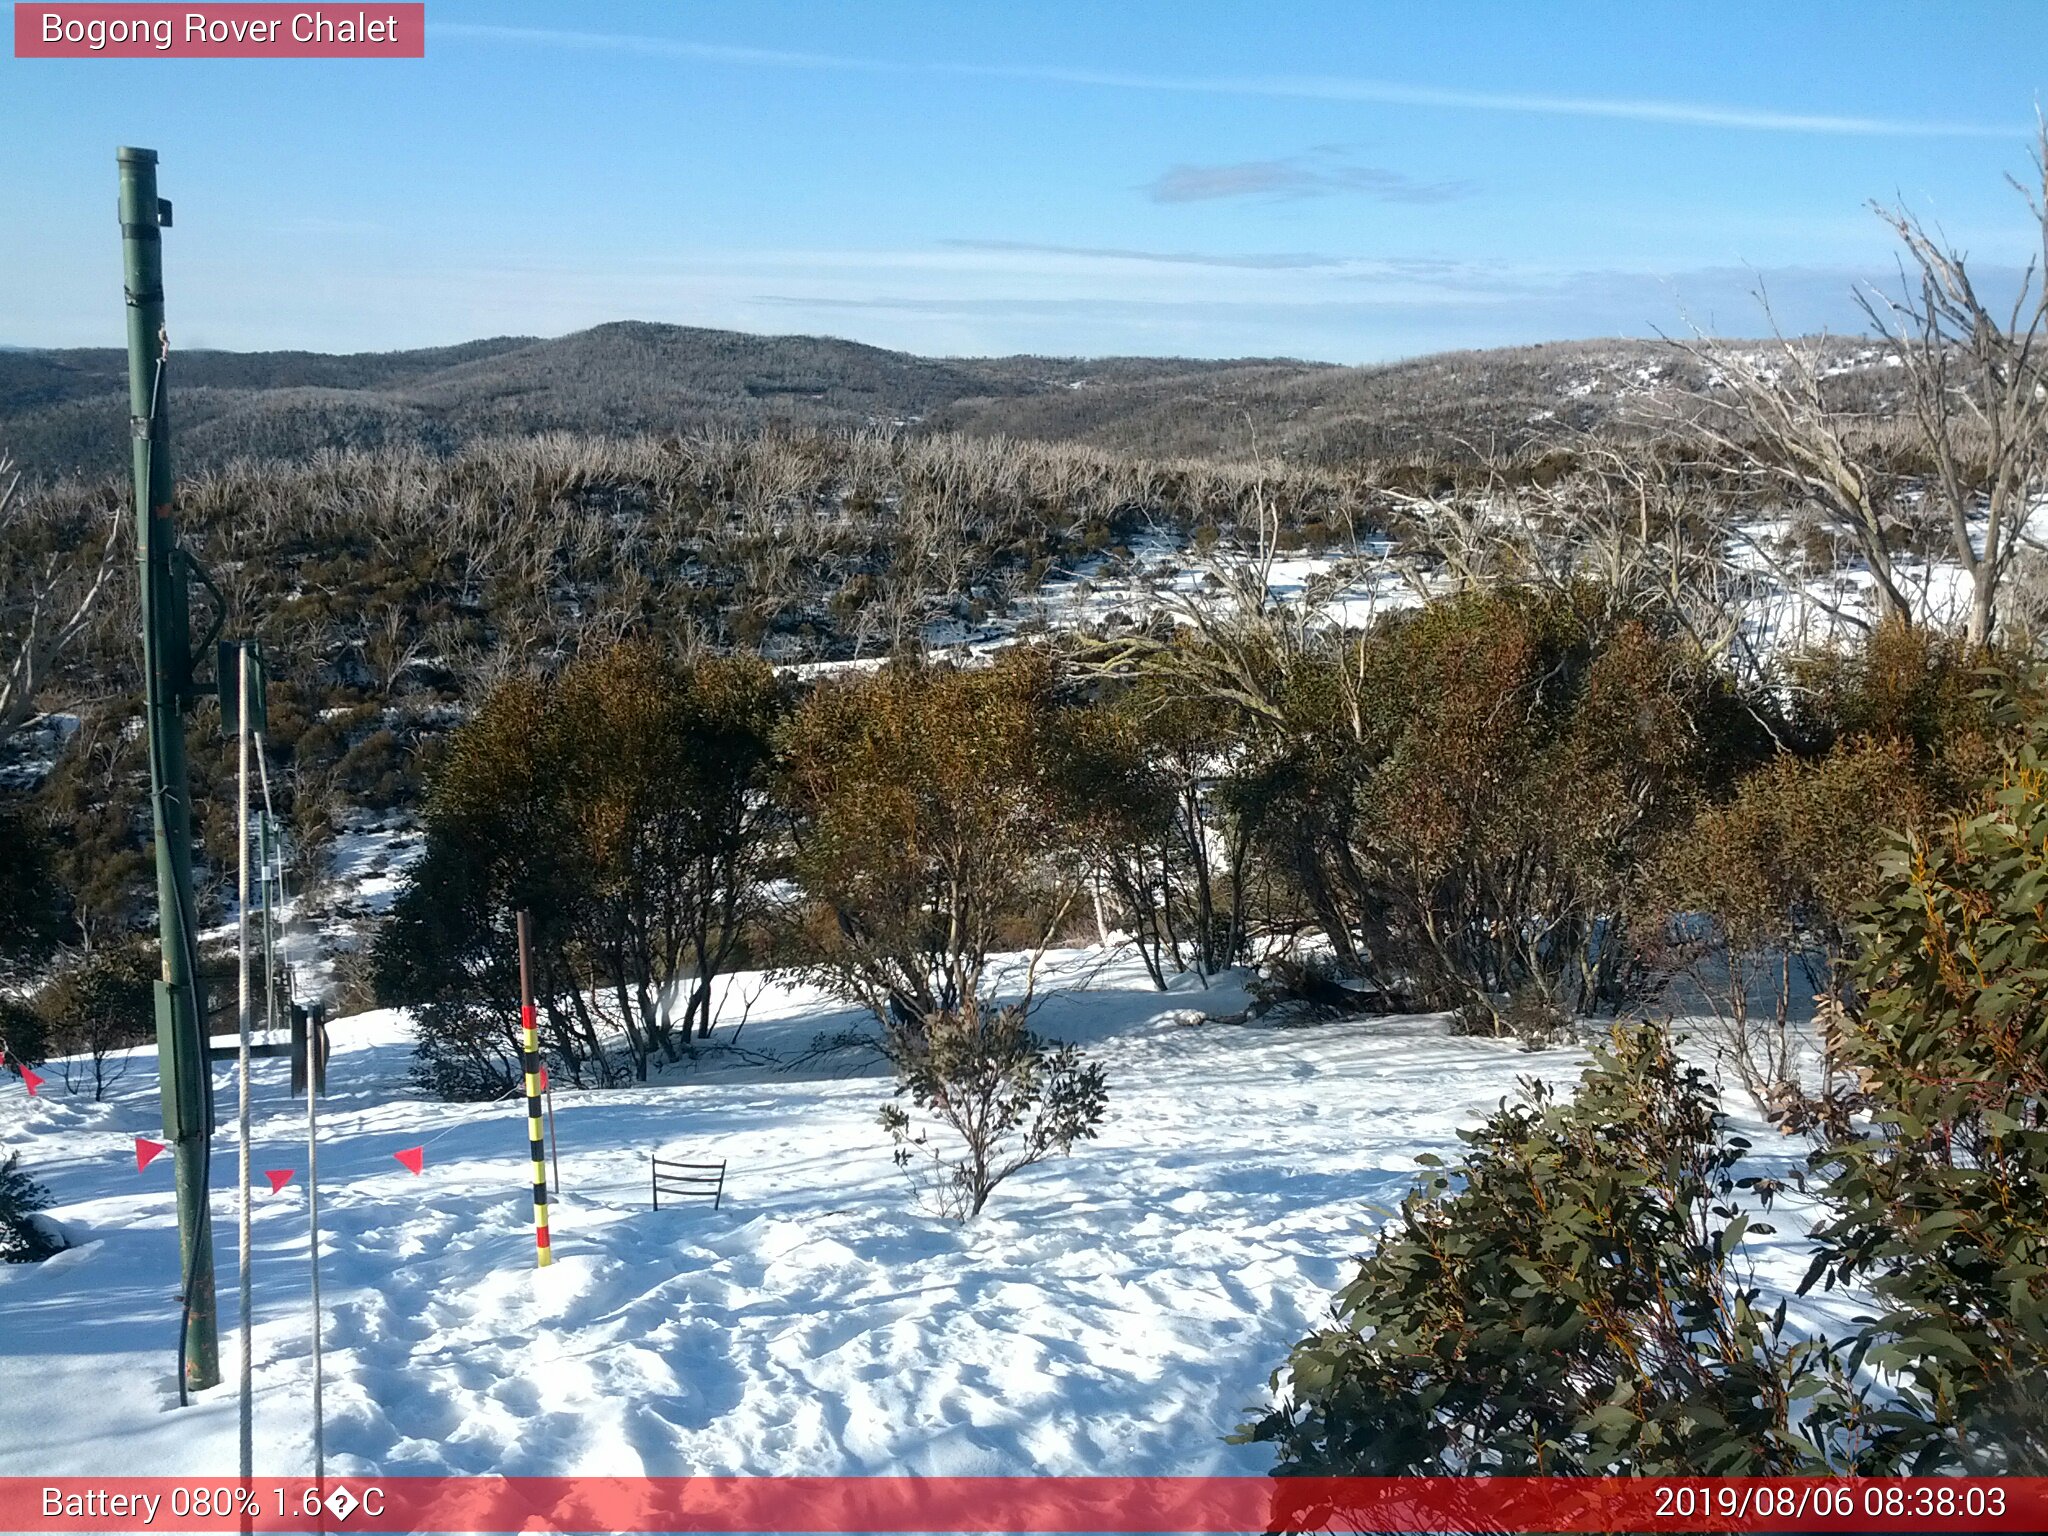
x=529, y=1050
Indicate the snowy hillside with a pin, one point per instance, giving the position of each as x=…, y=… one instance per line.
x=1114, y=1312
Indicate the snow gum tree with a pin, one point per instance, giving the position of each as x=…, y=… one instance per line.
x=1142, y=769
x=928, y=829
x=929, y=834
x=623, y=806
x=1463, y=796
x=668, y=776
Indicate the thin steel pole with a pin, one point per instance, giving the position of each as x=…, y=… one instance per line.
x=248, y=1425
x=270, y=885
x=313, y=1080
x=313, y=1241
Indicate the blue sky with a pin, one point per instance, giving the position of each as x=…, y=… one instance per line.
x=1350, y=182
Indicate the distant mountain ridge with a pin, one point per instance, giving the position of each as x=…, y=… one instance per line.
x=65, y=411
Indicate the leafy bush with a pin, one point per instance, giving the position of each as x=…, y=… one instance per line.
x=1464, y=797
x=31, y=906
x=1912, y=687
x=1755, y=902
x=1010, y=1097
x=1563, y=1300
x=928, y=830
x=98, y=1006
x=624, y=807
x=1531, y=1015
x=24, y=1033
x=1941, y=1192
x=1136, y=781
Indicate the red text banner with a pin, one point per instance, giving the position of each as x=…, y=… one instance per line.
x=234, y=31
x=1024, y=1504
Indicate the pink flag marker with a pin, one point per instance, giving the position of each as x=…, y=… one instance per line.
x=412, y=1157
x=279, y=1177
x=30, y=1081
x=146, y=1152
x=543, y=1079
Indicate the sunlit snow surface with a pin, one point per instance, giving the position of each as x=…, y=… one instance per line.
x=1118, y=1311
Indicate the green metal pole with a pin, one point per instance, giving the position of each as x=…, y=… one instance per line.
x=183, y=1069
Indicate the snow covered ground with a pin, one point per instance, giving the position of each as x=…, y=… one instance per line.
x=1118, y=1311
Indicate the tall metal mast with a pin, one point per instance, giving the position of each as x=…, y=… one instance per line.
x=167, y=651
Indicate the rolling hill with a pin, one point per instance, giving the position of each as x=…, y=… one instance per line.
x=64, y=411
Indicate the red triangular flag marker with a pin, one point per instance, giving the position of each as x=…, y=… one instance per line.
x=146, y=1152
x=543, y=1079
x=30, y=1081
x=279, y=1177
x=412, y=1157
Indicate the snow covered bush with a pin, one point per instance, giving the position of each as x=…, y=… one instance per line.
x=1008, y=1097
x=23, y=1239
x=1565, y=1299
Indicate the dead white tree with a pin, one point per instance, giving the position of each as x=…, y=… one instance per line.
x=1771, y=415
x=47, y=597
x=1974, y=405
x=1976, y=390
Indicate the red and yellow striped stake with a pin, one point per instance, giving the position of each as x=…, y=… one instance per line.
x=529, y=1051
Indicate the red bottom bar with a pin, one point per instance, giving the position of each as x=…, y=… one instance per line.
x=1023, y=1504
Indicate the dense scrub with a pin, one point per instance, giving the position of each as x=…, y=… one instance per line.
x=1522, y=809
x=1570, y=1296
x=621, y=806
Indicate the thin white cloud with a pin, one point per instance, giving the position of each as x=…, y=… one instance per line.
x=1298, y=87
x=1255, y=261
x=1302, y=176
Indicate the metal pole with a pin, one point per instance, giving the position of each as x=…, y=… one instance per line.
x=248, y=1414
x=267, y=839
x=313, y=1242
x=529, y=1027
x=166, y=666
x=315, y=1079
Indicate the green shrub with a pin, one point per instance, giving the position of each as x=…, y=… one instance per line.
x=1464, y=797
x=100, y=1005
x=1564, y=1300
x=1008, y=1097
x=1941, y=1185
